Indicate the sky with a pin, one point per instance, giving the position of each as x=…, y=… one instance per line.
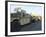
x=30, y=9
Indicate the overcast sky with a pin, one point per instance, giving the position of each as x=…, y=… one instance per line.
x=29, y=9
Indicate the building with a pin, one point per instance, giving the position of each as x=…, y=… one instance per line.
x=23, y=17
